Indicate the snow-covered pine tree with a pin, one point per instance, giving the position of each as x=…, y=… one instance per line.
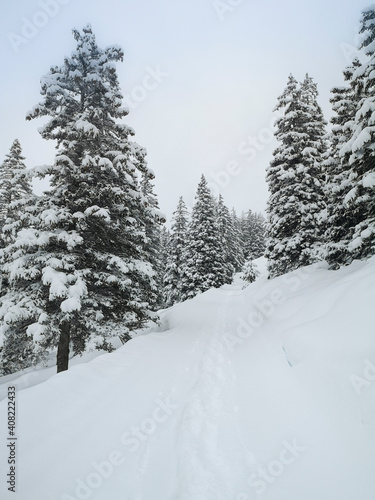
x=176, y=258
x=315, y=145
x=358, y=151
x=164, y=240
x=15, y=195
x=295, y=181
x=78, y=273
x=236, y=242
x=226, y=230
x=246, y=233
x=205, y=267
x=253, y=234
x=15, y=188
x=153, y=218
x=249, y=272
x=340, y=218
x=280, y=218
x=259, y=244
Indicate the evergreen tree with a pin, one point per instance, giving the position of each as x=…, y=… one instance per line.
x=340, y=218
x=174, y=269
x=259, y=243
x=153, y=219
x=15, y=197
x=295, y=181
x=236, y=242
x=16, y=351
x=315, y=146
x=226, y=230
x=246, y=231
x=78, y=272
x=254, y=239
x=249, y=271
x=15, y=187
x=205, y=265
x=358, y=150
x=164, y=249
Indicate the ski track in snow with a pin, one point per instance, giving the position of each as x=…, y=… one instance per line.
x=202, y=470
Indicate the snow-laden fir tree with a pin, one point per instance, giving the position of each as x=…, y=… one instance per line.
x=249, y=272
x=253, y=229
x=204, y=257
x=15, y=188
x=245, y=230
x=15, y=195
x=257, y=245
x=79, y=272
x=153, y=218
x=174, y=270
x=237, y=242
x=340, y=218
x=359, y=149
x=315, y=145
x=295, y=181
x=226, y=231
x=164, y=240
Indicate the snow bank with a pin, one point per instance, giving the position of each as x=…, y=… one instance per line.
x=263, y=393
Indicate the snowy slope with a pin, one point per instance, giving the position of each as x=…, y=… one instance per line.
x=263, y=393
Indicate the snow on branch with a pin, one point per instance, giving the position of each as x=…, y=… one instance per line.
x=98, y=212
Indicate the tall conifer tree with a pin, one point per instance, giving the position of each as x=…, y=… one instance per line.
x=358, y=150
x=15, y=187
x=175, y=266
x=205, y=260
x=340, y=218
x=295, y=181
x=226, y=231
x=79, y=272
x=237, y=242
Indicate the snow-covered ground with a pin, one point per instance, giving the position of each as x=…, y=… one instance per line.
x=264, y=393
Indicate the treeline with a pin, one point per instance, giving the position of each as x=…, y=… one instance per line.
x=204, y=250
x=322, y=184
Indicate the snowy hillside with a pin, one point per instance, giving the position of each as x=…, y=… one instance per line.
x=263, y=393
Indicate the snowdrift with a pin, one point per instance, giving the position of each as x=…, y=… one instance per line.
x=262, y=393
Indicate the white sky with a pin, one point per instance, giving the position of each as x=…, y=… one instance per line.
x=221, y=76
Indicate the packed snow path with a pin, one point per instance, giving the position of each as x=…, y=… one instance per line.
x=263, y=393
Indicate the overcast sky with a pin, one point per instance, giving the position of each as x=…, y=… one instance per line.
x=202, y=78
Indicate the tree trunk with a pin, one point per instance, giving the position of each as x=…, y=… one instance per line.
x=62, y=361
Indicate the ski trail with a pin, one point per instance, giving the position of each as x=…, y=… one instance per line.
x=202, y=471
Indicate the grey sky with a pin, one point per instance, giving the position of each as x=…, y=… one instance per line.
x=202, y=78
